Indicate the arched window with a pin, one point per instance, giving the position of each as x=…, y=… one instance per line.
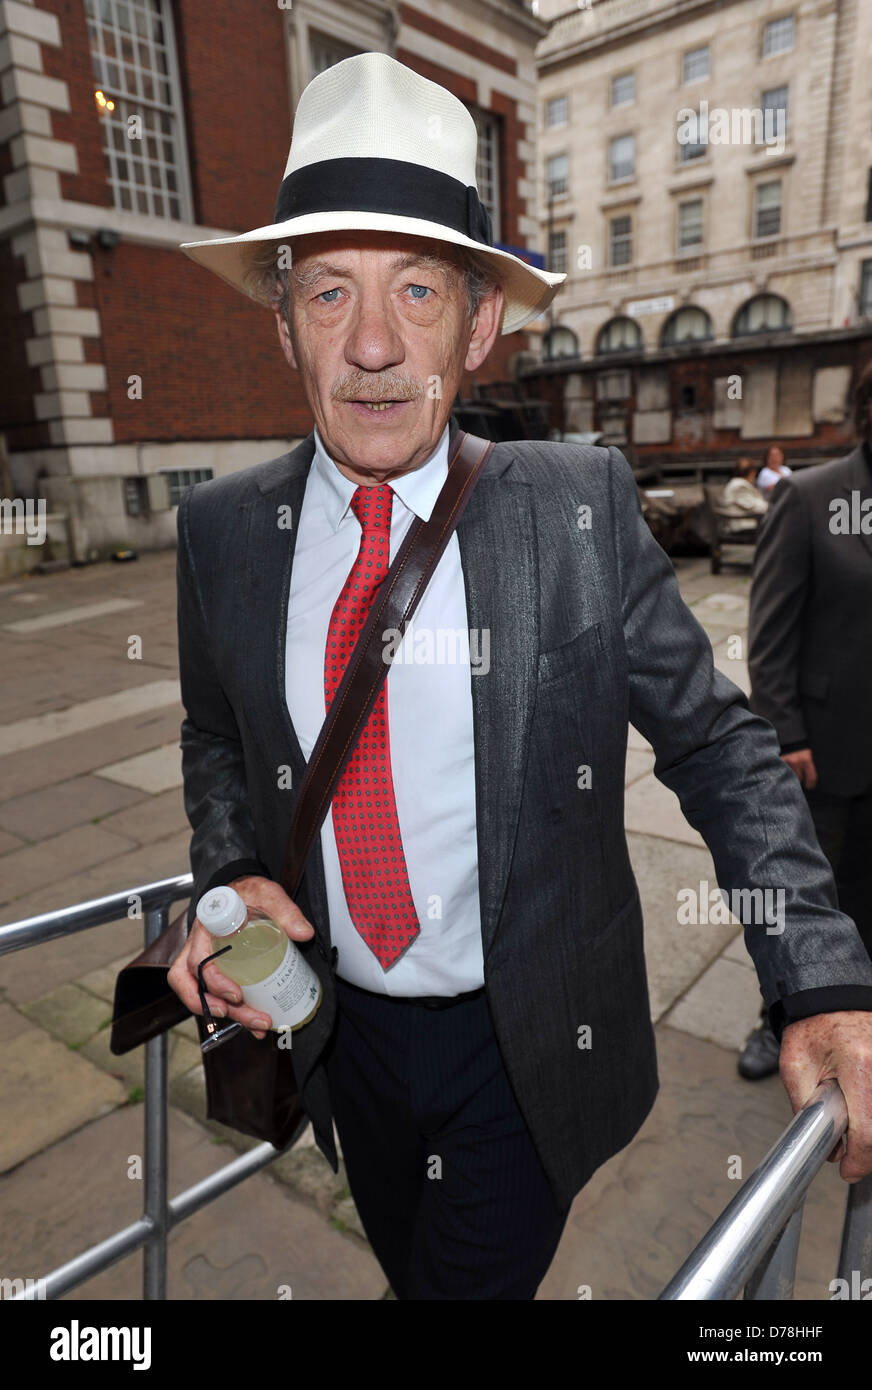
x=765, y=313
x=560, y=341
x=619, y=335
x=687, y=325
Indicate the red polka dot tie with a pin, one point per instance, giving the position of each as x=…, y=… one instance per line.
x=364, y=810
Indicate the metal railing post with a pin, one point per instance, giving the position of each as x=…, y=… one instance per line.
x=856, y=1249
x=775, y=1274
x=155, y=1211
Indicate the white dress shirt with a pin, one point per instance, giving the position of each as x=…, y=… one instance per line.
x=767, y=477
x=431, y=731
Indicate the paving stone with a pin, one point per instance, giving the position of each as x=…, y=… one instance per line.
x=182, y=1055
x=305, y=1169
x=69, y=1013
x=151, y=818
x=102, y=980
x=738, y=951
x=51, y=810
x=650, y=807
x=48, y=1091
x=36, y=730
x=246, y=1245
x=36, y=971
x=9, y=842
x=154, y=771
x=722, y=1006
x=58, y=858
x=31, y=768
x=642, y=1213
x=639, y=763
x=676, y=954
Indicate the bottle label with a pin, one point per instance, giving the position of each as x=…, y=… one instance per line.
x=290, y=995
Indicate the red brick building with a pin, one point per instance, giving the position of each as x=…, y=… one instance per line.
x=128, y=371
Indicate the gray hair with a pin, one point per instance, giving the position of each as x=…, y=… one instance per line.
x=268, y=274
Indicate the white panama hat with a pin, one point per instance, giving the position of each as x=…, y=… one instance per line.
x=376, y=147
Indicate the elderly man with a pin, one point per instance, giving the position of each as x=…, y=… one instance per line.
x=480, y=1068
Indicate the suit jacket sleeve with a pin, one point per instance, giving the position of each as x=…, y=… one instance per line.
x=782, y=563
x=723, y=763
x=224, y=843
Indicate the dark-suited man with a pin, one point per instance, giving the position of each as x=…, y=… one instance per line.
x=810, y=661
x=480, y=1073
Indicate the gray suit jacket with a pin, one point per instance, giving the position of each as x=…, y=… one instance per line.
x=588, y=632
x=810, y=632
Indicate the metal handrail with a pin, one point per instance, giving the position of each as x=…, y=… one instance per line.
x=160, y=1212
x=754, y=1241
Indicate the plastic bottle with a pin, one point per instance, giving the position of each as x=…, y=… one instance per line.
x=270, y=970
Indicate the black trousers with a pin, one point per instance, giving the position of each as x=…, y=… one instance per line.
x=447, y=1182
x=844, y=830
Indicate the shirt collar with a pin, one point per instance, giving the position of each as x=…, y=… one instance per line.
x=417, y=490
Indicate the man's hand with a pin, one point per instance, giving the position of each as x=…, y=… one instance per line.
x=835, y=1045
x=802, y=763
x=223, y=995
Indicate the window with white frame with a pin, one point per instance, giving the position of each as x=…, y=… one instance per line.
x=487, y=163
x=556, y=112
x=690, y=223
x=767, y=209
x=557, y=175
x=136, y=72
x=557, y=252
x=325, y=52
x=622, y=157
x=778, y=35
x=866, y=289
x=623, y=89
x=697, y=63
x=620, y=241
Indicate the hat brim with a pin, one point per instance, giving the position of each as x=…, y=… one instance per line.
x=528, y=290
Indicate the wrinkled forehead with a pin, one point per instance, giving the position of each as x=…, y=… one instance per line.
x=387, y=250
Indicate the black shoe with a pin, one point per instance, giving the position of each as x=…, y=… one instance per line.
x=759, y=1057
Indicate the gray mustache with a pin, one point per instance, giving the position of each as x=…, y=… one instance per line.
x=384, y=388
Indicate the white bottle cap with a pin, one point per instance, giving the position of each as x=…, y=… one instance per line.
x=221, y=911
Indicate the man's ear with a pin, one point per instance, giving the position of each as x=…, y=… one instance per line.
x=485, y=327
x=285, y=339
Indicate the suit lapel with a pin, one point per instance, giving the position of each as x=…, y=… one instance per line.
x=497, y=540
x=272, y=517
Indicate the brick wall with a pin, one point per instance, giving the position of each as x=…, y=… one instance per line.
x=209, y=358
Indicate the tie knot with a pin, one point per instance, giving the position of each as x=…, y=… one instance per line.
x=372, y=507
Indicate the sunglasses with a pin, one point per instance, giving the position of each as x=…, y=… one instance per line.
x=218, y=1032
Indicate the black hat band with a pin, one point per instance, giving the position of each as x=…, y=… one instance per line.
x=392, y=186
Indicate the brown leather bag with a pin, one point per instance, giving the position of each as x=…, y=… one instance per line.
x=249, y=1085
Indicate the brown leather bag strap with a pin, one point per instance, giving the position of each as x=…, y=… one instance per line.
x=392, y=607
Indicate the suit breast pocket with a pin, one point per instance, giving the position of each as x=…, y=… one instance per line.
x=570, y=656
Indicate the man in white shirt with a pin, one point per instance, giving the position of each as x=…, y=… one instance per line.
x=773, y=470
x=484, y=1040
